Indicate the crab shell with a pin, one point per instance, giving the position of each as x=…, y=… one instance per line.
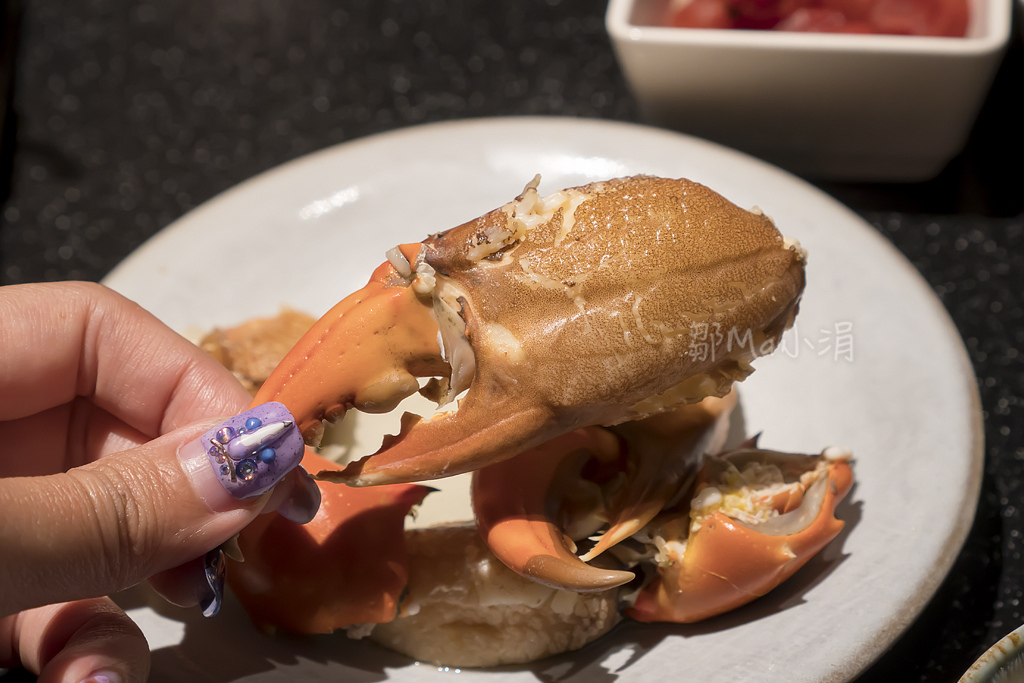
x=347, y=566
x=727, y=563
x=593, y=306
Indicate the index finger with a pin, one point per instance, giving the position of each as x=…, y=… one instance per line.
x=64, y=340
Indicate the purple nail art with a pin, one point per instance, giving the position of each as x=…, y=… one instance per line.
x=252, y=451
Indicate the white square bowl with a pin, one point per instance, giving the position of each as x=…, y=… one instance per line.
x=829, y=106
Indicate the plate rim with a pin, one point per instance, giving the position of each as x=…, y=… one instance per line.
x=903, y=617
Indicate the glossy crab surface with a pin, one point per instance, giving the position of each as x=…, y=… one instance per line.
x=594, y=305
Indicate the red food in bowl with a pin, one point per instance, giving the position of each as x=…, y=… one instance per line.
x=702, y=14
x=896, y=17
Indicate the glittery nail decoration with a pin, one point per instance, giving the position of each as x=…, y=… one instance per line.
x=252, y=451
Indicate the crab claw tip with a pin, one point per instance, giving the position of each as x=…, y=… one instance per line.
x=555, y=572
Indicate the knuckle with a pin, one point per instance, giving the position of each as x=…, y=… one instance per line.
x=127, y=522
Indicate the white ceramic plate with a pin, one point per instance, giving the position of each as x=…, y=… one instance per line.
x=874, y=363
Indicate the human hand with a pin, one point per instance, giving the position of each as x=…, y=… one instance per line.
x=103, y=479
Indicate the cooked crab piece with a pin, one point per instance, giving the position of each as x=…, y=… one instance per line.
x=595, y=305
x=757, y=517
x=533, y=508
x=520, y=507
x=347, y=566
x=665, y=452
x=253, y=349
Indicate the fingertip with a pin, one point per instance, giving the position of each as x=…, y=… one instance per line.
x=82, y=641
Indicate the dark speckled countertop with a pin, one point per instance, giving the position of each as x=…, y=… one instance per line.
x=124, y=116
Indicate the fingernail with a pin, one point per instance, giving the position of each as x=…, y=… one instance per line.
x=215, y=566
x=103, y=677
x=247, y=454
x=302, y=505
x=232, y=549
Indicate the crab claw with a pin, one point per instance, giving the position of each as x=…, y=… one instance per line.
x=729, y=557
x=347, y=566
x=366, y=353
x=593, y=306
x=523, y=505
x=511, y=501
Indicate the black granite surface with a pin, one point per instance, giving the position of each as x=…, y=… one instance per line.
x=126, y=115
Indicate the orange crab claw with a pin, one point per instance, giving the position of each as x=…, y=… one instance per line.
x=522, y=505
x=474, y=436
x=727, y=563
x=366, y=353
x=593, y=306
x=510, y=501
x=347, y=566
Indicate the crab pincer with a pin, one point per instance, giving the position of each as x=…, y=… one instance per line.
x=743, y=535
x=595, y=305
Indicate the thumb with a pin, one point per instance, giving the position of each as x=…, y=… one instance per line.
x=107, y=525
